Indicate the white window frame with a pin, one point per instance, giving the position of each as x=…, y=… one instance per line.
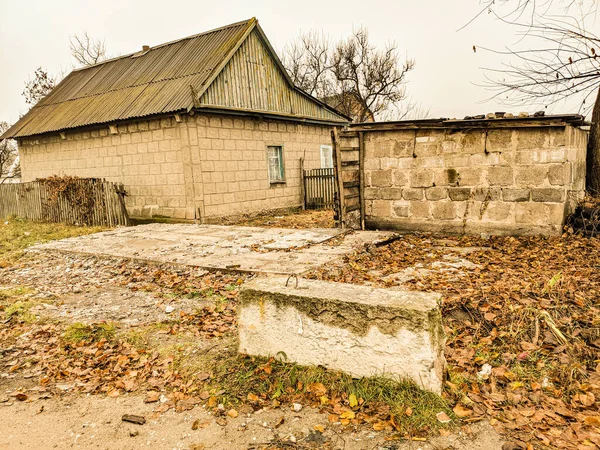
x=325, y=148
x=277, y=177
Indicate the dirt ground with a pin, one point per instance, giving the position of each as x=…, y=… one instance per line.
x=95, y=422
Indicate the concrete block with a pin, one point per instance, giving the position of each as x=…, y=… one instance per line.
x=531, y=176
x=532, y=138
x=559, y=174
x=548, y=195
x=459, y=194
x=420, y=209
x=483, y=194
x=497, y=211
x=412, y=194
x=360, y=330
x=381, y=178
x=421, y=178
x=500, y=176
x=443, y=210
x=436, y=193
x=399, y=178
x=401, y=209
x=515, y=195
x=470, y=176
x=446, y=177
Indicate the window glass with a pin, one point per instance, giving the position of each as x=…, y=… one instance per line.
x=326, y=157
x=275, y=162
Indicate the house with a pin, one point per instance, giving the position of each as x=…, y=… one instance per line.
x=206, y=126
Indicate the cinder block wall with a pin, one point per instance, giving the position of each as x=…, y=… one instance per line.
x=203, y=166
x=228, y=157
x=499, y=181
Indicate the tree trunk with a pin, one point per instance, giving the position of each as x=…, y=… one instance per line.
x=593, y=153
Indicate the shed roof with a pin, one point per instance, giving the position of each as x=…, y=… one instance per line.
x=166, y=78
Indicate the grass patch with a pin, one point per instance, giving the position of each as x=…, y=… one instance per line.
x=18, y=234
x=15, y=305
x=380, y=400
x=80, y=332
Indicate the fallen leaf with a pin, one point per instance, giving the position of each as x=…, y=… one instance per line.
x=442, y=417
x=461, y=411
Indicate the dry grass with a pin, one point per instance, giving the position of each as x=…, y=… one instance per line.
x=18, y=234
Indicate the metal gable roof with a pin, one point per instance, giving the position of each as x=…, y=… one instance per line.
x=134, y=86
x=157, y=81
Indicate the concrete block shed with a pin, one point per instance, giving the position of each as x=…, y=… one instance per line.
x=517, y=175
x=206, y=126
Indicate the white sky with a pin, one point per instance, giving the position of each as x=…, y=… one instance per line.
x=36, y=33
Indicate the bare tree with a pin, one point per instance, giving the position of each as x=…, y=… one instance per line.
x=38, y=86
x=87, y=50
x=562, y=64
x=353, y=76
x=9, y=158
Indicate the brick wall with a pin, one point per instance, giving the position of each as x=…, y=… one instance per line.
x=499, y=181
x=202, y=165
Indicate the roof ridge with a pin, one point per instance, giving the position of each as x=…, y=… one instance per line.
x=175, y=41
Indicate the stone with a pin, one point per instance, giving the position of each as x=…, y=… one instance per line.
x=500, y=176
x=559, y=174
x=412, y=194
x=361, y=330
x=443, y=210
x=401, y=210
x=548, y=195
x=436, y=193
x=459, y=194
x=297, y=407
x=515, y=195
x=484, y=194
x=497, y=211
x=421, y=178
x=420, y=209
x=381, y=178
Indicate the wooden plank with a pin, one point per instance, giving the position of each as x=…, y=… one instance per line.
x=361, y=179
x=338, y=177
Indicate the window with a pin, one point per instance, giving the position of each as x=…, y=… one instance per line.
x=275, y=162
x=326, y=157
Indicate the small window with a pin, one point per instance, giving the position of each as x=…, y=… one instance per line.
x=275, y=161
x=326, y=157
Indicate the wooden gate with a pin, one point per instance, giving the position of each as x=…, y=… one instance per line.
x=348, y=156
x=319, y=188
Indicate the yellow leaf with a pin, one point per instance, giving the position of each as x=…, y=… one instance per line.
x=347, y=415
x=324, y=399
x=320, y=428
x=353, y=400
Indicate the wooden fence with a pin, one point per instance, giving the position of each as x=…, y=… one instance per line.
x=319, y=188
x=76, y=201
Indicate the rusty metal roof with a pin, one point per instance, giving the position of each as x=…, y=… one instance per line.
x=155, y=81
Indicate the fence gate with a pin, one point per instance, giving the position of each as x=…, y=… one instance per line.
x=319, y=188
x=348, y=153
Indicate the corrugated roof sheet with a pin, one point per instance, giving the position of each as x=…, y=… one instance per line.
x=146, y=83
x=134, y=86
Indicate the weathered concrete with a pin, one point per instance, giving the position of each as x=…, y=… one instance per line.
x=214, y=247
x=360, y=330
x=513, y=179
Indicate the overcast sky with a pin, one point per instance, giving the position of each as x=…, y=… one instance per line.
x=445, y=80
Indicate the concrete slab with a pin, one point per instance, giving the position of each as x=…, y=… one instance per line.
x=215, y=247
x=361, y=330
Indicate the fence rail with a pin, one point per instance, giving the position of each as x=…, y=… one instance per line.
x=319, y=188
x=78, y=201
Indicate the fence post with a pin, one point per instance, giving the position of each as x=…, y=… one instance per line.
x=338, y=178
x=302, y=184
